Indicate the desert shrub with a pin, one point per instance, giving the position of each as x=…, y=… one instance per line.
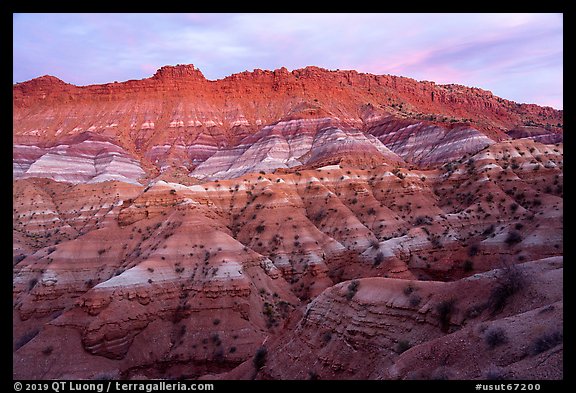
x=48, y=350
x=378, y=259
x=371, y=211
x=545, y=342
x=445, y=309
x=259, y=359
x=326, y=337
x=473, y=250
x=398, y=174
x=260, y=228
x=423, y=220
x=510, y=282
x=408, y=289
x=403, y=346
x=513, y=238
x=489, y=230
x=313, y=375
x=414, y=300
x=435, y=240
x=215, y=337
x=352, y=289
x=495, y=337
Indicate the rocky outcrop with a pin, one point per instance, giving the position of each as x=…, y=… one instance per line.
x=227, y=265
x=294, y=143
x=537, y=134
x=427, y=144
x=179, y=118
x=378, y=328
x=284, y=225
x=83, y=159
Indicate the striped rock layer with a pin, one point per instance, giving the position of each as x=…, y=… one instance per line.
x=310, y=224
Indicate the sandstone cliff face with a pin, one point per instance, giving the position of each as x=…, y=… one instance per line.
x=175, y=227
x=179, y=118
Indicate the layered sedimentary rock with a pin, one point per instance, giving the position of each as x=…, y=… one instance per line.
x=83, y=159
x=179, y=118
x=378, y=328
x=293, y=143
x=274, y=224
x=427, y=144
x=228, y=265
x=538, y=134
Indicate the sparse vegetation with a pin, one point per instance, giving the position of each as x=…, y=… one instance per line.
x=513, y=238
x=409, y=289
x=494, y=337
x=490, y=230
x=403, y=346
x=510, y=283
x=378, y=259
x=445, y=309
x=423, y=220
x=414, y=300
x=259, y=359
x=473, y=250
x=48, y=350
x=352, y=289
x=545, y=342
x=435, y=240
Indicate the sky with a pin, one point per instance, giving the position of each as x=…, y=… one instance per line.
x=515, y=56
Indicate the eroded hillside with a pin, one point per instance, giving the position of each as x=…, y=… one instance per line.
x=338, y=271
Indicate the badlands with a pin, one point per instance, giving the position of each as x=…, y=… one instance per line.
x=305, y=224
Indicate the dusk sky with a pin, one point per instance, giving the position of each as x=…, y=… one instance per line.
x=516, y=56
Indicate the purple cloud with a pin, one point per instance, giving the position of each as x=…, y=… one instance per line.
x=517, y=56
